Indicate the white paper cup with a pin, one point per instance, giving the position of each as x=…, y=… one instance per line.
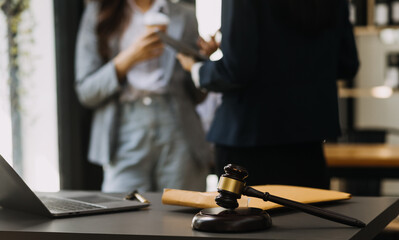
x=156, y=21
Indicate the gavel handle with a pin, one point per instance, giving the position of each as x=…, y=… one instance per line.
x=333, y=216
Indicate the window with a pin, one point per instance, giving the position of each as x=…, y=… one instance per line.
x=37, y=96
x=5, y=112
x=209, y=18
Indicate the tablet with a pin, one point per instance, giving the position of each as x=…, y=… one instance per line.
x=181, y=47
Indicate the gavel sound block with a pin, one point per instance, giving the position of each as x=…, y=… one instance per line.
x=229, y=218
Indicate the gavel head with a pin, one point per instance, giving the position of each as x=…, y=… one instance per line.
x=231, y=185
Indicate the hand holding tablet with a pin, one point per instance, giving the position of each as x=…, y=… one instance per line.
x=181, y=47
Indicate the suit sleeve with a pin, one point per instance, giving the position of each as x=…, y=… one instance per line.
x=239, y=46
x=95, y=82
x=348, y=61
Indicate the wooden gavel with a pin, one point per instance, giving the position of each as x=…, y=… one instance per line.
x=232, y=185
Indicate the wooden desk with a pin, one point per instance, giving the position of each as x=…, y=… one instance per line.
x=363, y=164
x=362, y=155
x=363, y=160
x=173, y=222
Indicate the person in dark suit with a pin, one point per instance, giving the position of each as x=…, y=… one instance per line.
x=278, y=73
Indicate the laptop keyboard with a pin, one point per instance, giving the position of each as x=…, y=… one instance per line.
x=66, y=205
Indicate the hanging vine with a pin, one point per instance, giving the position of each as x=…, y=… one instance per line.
x=13, y=10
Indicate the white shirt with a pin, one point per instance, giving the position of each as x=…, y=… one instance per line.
x=195, y=75
x=145, y=76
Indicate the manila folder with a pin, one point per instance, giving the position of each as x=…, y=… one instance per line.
x=299, y=194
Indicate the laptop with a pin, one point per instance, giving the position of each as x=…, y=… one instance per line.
x=16, y=195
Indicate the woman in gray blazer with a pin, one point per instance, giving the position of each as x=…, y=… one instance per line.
x=145, y=131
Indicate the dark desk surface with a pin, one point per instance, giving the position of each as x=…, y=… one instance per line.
x=172, y=222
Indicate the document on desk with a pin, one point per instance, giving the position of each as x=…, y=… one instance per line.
x=299, y=194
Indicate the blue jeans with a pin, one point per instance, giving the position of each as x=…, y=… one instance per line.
x=152, y=153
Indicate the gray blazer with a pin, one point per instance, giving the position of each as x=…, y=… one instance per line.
x=98, y=88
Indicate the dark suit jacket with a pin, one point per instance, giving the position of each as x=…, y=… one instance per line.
x=279, y=86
